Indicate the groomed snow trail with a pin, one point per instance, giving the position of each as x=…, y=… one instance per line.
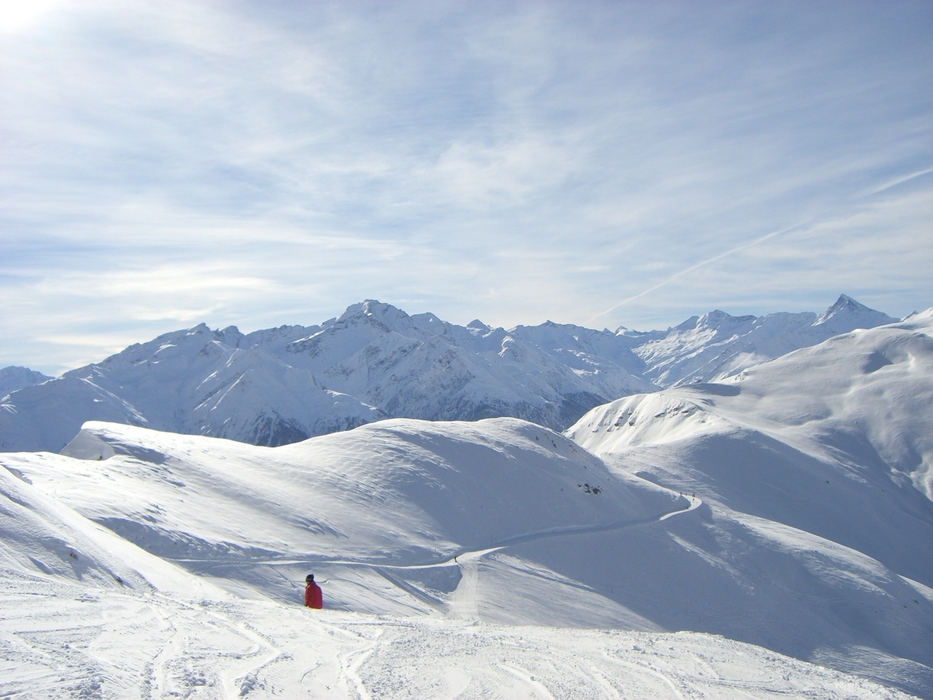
x=467, y=556
x=464, y=599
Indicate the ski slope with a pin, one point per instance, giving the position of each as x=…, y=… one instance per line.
x=86, y=614
x=500, y=530
x=80, y=642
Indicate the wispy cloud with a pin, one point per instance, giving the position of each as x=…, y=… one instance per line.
x=692, y=268
x=629, y=163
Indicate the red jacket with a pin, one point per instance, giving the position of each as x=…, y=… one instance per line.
x=314, y=598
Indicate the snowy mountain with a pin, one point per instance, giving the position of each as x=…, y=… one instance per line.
x=824, y=458
x=16, y=378
x=710, y=540
x=475, y=539
x=283, y=385
x=716, y=345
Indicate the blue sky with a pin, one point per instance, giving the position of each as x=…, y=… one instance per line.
x=599, y=163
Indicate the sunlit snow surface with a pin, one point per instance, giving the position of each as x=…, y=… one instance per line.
x=62, y=639
x=86, y=615
x=282, y=385
x=816, y=469
x=498, y=558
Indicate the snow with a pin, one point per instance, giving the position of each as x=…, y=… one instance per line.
x=285, y=384
x=90, y=644
x=472, y=556
x=716, y=345
x=814, y=470
x=85, y=613
x=767, y=535
x=396, y=492
x=16, y=378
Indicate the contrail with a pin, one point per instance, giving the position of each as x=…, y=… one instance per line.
x=899, y=181
x=882, y=188
x=699, y=265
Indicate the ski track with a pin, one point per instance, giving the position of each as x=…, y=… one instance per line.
x=450, y=560
x=256, y=649
x=663, y=677
x=604, y=683
x=464, y=602
x=157, y=680
x=536, y=688
x=264, y=652
x=350, y=664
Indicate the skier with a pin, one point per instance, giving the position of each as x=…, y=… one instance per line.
x=314, y=598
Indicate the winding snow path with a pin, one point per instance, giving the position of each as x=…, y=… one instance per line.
x=464, y=600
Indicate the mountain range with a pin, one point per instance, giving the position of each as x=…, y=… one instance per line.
x=769, y=534
x=283, y=385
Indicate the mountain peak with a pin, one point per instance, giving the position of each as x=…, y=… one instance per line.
x=374, y=311
x=848, y=312
x=846, y=302
x=713, y=318
x=15, y=378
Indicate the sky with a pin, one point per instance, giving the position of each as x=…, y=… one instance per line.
x=608, y=164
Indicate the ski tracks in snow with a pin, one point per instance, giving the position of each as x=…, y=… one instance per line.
x=350, y=664
x=157, y=674
x=182, y=666
x=694, y=504
x=464, y=601
x=78, y=642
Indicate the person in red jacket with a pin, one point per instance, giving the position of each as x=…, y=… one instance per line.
x=314, y=598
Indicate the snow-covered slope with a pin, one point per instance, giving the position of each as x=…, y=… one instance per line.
x=282, y=385
x=717, y=345
x=860, y=400
x=498, y=521
x=80, y=643
x=197, y=381
x=397, y=493
x=16, y=378
x=822, y=457
x=39, y=536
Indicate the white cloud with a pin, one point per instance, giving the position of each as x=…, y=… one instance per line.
x=273, y=163
x=19, y=15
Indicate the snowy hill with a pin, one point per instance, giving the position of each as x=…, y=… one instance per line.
x=822, y=457
x=397, y=493
x=282, y=385
x=427, y=538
